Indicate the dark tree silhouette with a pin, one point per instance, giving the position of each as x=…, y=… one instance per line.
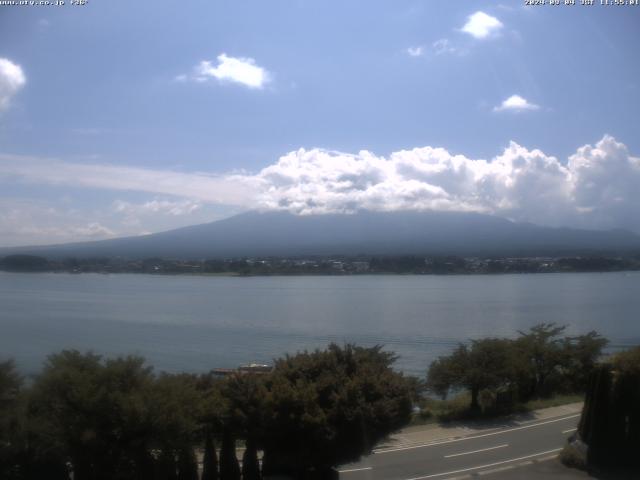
x=229, y=466
x=210, y=459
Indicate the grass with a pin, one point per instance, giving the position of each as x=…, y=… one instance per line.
x=554, y=401
x=572, y=458
x=457, y=408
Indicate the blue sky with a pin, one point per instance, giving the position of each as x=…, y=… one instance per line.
x=113, y=125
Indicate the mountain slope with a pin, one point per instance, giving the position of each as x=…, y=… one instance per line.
x=367, y=233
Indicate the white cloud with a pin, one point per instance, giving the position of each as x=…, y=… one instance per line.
x=415, y=51
x=174, y=208
x=29, y=222
x=515, y=103
x=444, y=46
x=12, y=79
x=428, y=178
x=480, y=25
x=91, y=230
x=227, y=189
x=230, y=69
x=595, y=188
x=605, y=181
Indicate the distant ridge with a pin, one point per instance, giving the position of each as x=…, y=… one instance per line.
x=283, y=234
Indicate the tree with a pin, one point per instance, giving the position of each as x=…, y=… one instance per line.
x=187, y=464
x=540, y=354
x=24, y=263
x=581, y=354
x=10, y=390
x=244, y=413
x=548, y=363
x=627, y=361
x=229, y=466
x=210, y=417
x=176, y=407
x=167, y=467
x=330, y=407
x=210, y=459
x=250, y=464
x=98, y=412
x=485, y=364
x=610, y=421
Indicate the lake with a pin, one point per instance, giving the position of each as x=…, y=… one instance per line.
x=196, y=323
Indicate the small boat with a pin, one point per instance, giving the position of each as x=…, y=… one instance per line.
x=255, y=368
x=242, y=369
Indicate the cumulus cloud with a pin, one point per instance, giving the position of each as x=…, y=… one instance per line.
x=606, y=181
x=415, y=51
x=12, y=79
x=481, y=25
x=515, y=103
x=240, y=70
x=317, y=181
x=593, y=189
x=596, y=187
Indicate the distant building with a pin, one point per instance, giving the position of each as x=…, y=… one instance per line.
x=360, y=266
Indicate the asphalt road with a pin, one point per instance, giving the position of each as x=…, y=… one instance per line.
x=485, y=453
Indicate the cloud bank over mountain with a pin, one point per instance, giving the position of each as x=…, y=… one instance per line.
x=596, y=187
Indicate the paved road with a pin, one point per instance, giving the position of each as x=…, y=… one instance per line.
x=483, y=453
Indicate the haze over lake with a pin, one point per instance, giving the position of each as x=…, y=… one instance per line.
x=197, y=323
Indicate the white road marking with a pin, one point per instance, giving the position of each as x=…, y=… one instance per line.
x=476, y=451
x=472, y=437
x=487, y=465
x=495, y=470
x=569, y=430
x=354, y=470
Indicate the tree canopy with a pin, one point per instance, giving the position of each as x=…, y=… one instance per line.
x=332, y=406
x=537, y=363
x=114, y=418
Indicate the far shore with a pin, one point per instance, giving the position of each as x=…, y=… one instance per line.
x=327, y=266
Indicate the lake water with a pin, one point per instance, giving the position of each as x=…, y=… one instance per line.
x=196, y=323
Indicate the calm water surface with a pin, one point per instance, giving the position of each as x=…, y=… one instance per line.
x=197, y=323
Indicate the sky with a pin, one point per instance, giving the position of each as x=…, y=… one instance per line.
x=124, y=118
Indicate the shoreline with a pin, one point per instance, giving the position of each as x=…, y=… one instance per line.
x=307, y=274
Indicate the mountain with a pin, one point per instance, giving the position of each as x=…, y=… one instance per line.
x=255, y=234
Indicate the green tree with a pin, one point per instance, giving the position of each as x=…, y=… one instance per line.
x=627, y=361
x=330, y=407
x=581, y=355
x=98, y=412
x=176, y=408
x=244, y=410
x=541, y=354
x=212, y=412
x=485, y=364
x=10, y=441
